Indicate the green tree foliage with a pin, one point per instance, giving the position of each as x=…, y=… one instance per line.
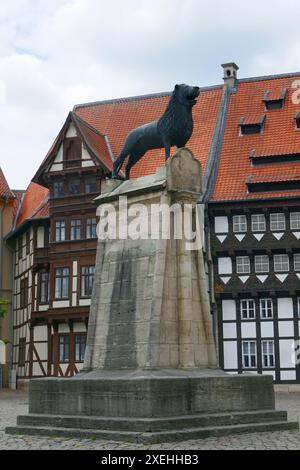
x=3, y=311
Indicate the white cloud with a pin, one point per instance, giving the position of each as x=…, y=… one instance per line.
x=54, y=54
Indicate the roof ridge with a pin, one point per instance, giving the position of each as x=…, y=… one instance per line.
x=168, y=93
x=138, y=97
x=269, y=77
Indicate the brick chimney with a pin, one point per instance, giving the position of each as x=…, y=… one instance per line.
x=230, y=74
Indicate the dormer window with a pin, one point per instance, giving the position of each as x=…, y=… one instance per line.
x=252, y=125
x=274, y=100
x=297, y=119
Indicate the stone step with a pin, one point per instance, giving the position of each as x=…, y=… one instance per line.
x=152, y=424
x=154, y=437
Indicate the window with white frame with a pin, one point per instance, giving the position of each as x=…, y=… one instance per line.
x=281, y=263
x=266, y=308
x=247, y=309
x=243, y=265
x=249, y=354
x=258, y=223
x=297, y=262
x=239, y=224
x=262, y=264
x=295, y=220
x=277, y=221
x=268, y=359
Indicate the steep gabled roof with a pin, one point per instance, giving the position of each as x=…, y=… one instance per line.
x=5, y=192
x=96, y=143
x=35, y=199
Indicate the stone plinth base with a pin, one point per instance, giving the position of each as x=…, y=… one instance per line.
x=151, y=406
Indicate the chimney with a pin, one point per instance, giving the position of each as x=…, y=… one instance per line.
x=230, y=74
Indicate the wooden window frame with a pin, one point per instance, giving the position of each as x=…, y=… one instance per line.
x=41, y=282
x=62, y=228
x=60, y=336
x=82, y=335
x=82, y=278
x=22, y=352
x=75, y=225
x=61, y=286
x=89, y=228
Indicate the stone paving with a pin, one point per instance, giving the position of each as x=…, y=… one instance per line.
x=15, y=403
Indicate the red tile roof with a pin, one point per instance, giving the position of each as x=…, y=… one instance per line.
x=271, y=179
x=116, y=118
x=252, y=118
x=5, y=192
x=95, y=141
x=34, y=200
x=279, y=137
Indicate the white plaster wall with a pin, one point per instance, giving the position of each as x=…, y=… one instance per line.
x=40, y=237
x=42, y=350
x=286, y=328
x=43, y=308
x=229, y=331
x=40, y=333
x=288, y=375
x=287, y=353
x=248, y=330
x=74, y=300
x=71, y=132
x=63, y=328
x=267, y=329
x=230, y=355
x=61, y=303
x=84, y=302
x=285, y=308
x=58, y=160
x=79, y=327
x=221, y=225
x=224, y=266
x=228, y=310
x=75, y=268
x=36, y=368
x=86, y=158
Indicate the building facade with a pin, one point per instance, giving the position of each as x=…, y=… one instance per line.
x=246, y=136
x=8, y=204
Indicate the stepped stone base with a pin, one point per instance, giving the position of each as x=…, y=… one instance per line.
x=151, y=406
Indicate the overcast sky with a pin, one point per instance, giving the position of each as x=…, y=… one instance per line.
x=57, y=53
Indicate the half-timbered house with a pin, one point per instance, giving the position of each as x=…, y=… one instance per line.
x=246, y=136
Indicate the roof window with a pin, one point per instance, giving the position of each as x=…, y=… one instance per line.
x=252, y=125
x=274, y=100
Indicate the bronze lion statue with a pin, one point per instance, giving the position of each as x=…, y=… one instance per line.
x=175, y=127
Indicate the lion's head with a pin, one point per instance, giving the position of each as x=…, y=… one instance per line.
x=186, y=94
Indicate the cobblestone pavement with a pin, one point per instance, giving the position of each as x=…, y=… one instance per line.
x=15, y=403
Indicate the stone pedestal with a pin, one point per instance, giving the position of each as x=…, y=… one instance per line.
x=150, y=371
